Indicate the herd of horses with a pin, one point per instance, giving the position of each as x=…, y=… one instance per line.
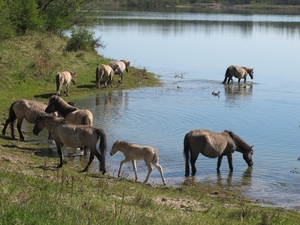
x=73, y=127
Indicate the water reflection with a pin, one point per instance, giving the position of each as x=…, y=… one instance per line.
x=237, y=91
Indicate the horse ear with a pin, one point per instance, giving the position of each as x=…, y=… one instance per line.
x=251, y=146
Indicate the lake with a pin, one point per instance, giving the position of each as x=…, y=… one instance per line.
x=199, y=46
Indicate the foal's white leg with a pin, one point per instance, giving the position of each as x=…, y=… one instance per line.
x=134, y=169
x=148, y=164
x=161, y=172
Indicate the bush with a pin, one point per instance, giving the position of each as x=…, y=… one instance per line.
x=82, y=40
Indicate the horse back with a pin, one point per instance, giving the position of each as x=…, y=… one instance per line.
x=208, y=143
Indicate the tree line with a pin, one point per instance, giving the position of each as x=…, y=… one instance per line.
x=183, y=2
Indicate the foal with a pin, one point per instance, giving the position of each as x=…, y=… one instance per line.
x=133, y=152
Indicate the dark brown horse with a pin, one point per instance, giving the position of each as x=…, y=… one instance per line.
x=213, y=145
x=23, y=109
x=74, y=136
x=238, y=72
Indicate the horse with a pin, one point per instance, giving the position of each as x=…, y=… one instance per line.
x=74, y=136
x=133, y=152
x=214, y=144
x=64, y=78
x=238, y=72
x=23, y=109
x=119, y=67
x=106, y=72
x=69, y=113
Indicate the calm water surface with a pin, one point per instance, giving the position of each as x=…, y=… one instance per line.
x=200, y=46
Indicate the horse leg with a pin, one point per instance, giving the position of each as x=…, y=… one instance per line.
x=67, y=89
x=193, y=161
x=219, y=162
x=229, y=157
x=134, y=169
x=121, y=164
x=239, y=80
x=161, y=172
x=19, y=124
x=245, y=79
x=90, y=161
x=148, y=164
x=59, y=152
x=5, y=126
x=100, y=158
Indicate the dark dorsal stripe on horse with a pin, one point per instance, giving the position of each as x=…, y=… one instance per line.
x=240, y=144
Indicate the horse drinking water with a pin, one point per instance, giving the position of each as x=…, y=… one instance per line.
x=213, y=144
x=64, y=78
x=74, y=136
x=133, y=152
x=119, y=67
x=238, y=72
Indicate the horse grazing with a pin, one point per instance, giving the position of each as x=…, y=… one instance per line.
x=213, y=145
x=23, y=109
x=133, y=152
x=119, y=67
x=106, y=72
x=238, y=72
x=64, y=78
x=70, y=113
x=74, y=136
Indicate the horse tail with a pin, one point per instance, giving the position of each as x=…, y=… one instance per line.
x=186, y=152
x=102, y=148
x=227, y=74
x=57, y=81
x=98, y=75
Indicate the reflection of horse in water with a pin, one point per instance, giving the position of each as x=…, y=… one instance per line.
x=245, y=180
x=238, y=72
x=238, y=90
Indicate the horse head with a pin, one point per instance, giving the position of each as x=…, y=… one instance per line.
x=247, y=156
x=39, y=125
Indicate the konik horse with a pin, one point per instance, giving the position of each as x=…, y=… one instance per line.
x=74, y=136
x=23, y=109
x=119, y=67
x=238, y=72
x=106, y=72
x=133, y=152
x=213, y=144
x=64, y=78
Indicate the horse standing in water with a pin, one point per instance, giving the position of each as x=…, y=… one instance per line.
x=64, y=78
x=74, y=136
x=106, y=72
x=133, y=152
x=213, y=145
x=23, y=109
x=238, y=72
x=119, y=67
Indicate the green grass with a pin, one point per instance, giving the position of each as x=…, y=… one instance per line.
x=33, y=191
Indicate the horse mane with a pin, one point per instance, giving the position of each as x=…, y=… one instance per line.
x=64, y=107
x=239, y=142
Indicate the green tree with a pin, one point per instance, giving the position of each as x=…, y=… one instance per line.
x=24, y=14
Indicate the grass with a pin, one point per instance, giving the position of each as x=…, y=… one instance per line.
x=34, y=191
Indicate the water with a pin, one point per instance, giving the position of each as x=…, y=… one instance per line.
x=200, y=46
